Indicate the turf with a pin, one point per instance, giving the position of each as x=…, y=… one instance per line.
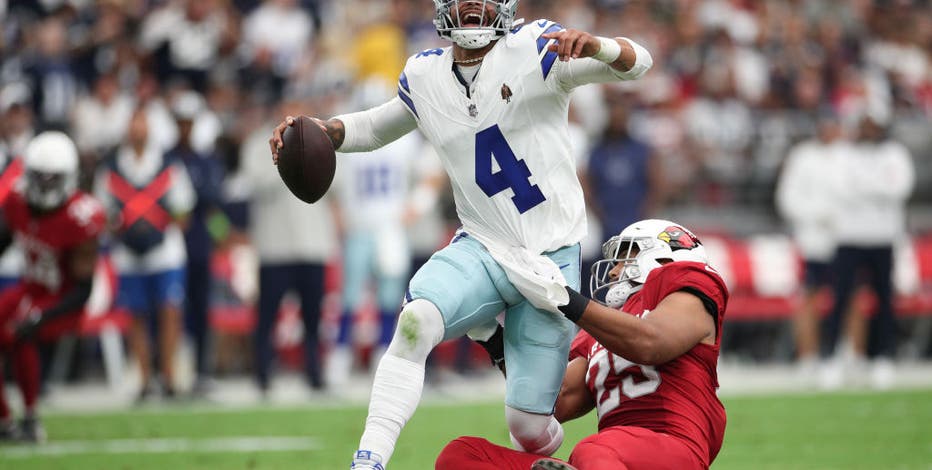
x=822, y=431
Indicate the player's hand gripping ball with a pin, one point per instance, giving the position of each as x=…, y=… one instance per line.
x=306, y=160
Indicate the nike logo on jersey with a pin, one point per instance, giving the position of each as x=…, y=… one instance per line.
x=565, y=265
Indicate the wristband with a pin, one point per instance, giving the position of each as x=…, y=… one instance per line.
x=609, y=51
x=575, y=308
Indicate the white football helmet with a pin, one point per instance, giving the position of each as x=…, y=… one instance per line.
x=51, y=162
x=641, y=247
x=474, y=30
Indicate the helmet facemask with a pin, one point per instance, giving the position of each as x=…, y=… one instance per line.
x=619, y=273
x=638, y=250
x=476, y=28
x=48, y=190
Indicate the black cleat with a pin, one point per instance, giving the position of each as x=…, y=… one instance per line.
x=551, y=464
x=31, y=430
x=8, y=431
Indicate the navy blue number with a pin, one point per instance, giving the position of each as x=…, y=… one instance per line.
x=514, y=173
x=375, y=181
x=429, y=52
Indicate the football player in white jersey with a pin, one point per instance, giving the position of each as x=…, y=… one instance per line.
x=494, y=106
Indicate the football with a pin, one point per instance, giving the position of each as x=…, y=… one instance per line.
x=306, y=161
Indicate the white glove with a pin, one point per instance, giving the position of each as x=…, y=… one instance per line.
x=537, y=277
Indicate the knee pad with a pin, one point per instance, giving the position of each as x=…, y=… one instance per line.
x=420, y=328
x=533, y=433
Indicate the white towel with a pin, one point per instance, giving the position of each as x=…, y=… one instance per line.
x=536, y=276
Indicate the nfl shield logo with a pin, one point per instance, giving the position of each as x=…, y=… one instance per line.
x=473, y=112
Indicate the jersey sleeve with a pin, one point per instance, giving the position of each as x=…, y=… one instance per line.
x=696, y=278
x=532, y=32
x=587, y=70
x=87, y=217
x=581, y=345
x=15, y=211
x=377, y=127
x=181, y=196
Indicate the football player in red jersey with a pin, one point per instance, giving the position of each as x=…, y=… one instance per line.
x=56, y=227
x=649, y=370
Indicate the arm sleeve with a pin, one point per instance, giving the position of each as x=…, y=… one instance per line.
x=892, y=178
x=72, y=301
x=376, y=127
x=181, y=196
x=584, y=71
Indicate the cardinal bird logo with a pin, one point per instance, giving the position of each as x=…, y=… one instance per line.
x=679, y=238
x=506, y=93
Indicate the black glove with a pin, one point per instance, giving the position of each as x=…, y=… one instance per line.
x=495, y=346
x=27, y=328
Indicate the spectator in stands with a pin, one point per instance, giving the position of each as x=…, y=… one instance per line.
x=204, y=226
x=294, y=241
x=148, y=197
x=99, y=120
x=16, y=131
x=620, y=168
x=276, y=40
x=17, y=121
x=185, y=38
x=804, y=198
x=872, y=185
x=51, y=74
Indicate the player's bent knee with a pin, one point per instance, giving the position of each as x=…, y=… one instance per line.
x=420, y=328
x=590, y=455
x=534, y=433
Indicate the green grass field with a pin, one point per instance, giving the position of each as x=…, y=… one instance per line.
x=823, y=431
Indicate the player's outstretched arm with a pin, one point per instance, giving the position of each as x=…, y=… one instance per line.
x=83, y=261
x=619, y=53
x=362, y=131
x=574, y=400
x=678, y=324
x=614, y=58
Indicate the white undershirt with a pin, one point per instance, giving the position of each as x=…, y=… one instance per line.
x=468, y=72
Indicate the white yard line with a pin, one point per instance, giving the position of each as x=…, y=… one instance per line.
x=165, y=445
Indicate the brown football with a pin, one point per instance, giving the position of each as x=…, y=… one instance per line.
x=306, y=161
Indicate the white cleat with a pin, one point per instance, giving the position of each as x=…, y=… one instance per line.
x=883, y=374
x=832, y=375
x=338, y=366
x=366, y=460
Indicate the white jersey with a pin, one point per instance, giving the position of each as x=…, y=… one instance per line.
x=503, y=139
x=372, y=188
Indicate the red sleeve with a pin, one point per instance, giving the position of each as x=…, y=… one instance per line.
x=581, y=345
x=690, y=277
x=87, y=217
x=14, y=210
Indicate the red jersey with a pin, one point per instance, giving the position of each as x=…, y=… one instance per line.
x=678, y=397
x=47, y=239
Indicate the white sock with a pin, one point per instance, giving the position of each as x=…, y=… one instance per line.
x=399, y=378
x=396, y=393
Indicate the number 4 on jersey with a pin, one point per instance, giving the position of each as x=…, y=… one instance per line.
x=513, y=173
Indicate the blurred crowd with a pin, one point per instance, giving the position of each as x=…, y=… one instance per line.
x=735, y=85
